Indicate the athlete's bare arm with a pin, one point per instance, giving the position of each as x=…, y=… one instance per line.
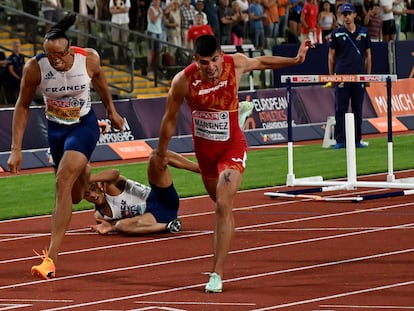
x=175, y=97
x=245, y=64
x=178, y=161
x=114, y=182
x=109, y=176
x=100, y=85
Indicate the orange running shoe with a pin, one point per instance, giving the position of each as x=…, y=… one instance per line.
x=46, y=270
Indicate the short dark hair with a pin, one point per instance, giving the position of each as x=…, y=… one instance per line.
x=206, y=45
x=58, y=31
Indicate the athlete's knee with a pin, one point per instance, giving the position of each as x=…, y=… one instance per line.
x=224, y=208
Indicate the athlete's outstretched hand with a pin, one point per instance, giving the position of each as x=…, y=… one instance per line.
x=103, y=227
x=303, y=50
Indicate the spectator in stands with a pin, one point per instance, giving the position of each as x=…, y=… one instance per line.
x=239, y=22
x=133, y=14
x=399, y=10
x=409, y=25
x=225, y=14
x=244, y=5
x=349, y=53
x=197, y=30
x=85, y=8
x=368, y=4
x=172, y=22
x=51, y=12
x=199, y=6
x=15, y=64
x=154, y=32
x=326, y=21
x=294, y=21
x=283, y=6
x=3, y=65
x=30, y=24
x=256, y=17
x=360, y=11
x=309, y=21
x=373, y=22
x=187, y=11
x=271, y=22
x=338, y=15
x=332, y=4
x=388, y=22
x=120, y=18
x=244, y=8
x=129, y=207
x=3, y=75
x=142, y=11
x=210, y=8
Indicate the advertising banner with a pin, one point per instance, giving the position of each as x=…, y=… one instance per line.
x=316, y=62
x=402, y=97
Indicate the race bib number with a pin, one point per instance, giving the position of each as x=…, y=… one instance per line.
x=62, y=111
x=212, y=125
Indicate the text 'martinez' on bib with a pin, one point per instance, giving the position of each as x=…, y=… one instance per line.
x=212, y=125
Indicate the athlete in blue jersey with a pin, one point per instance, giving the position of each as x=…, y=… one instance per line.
x=349, y=53
x=63, y=74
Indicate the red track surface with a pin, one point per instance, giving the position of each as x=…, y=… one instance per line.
x=288, y=254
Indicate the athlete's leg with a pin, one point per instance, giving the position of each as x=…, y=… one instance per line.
x=71, y=166
x=156, y=176
x=143, y=224
x=357, y=99
x=211, y=187
x=81, y=184
x=342, y=94
x=223, y=193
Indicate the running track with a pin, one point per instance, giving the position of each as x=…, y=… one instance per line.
x=287, y=254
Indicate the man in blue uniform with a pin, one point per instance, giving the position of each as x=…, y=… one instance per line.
x=349, y=53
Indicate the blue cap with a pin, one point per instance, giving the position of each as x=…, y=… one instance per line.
x=347, y=7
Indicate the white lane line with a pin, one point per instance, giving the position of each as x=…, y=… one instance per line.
x=22, y=236
x=35, y=300
x=351, y=293
x=196, y=303
x=254, y=276
x=369, y=307
x=9, y=306
x=186, y=259
x=295, y=220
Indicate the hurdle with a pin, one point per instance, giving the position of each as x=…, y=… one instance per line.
x=351, y=181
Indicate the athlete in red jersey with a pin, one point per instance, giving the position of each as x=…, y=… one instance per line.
x=209, y=85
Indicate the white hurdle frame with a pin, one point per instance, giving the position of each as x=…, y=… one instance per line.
x=351, y=180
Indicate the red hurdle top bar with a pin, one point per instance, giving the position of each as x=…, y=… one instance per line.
x=337, y=78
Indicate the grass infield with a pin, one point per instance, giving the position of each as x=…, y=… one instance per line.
x=33, y=194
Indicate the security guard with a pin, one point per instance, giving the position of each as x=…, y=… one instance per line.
x=349, y=53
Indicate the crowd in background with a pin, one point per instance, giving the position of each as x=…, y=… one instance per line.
x=262, y=23
x=233, y=21
x=256, y=21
